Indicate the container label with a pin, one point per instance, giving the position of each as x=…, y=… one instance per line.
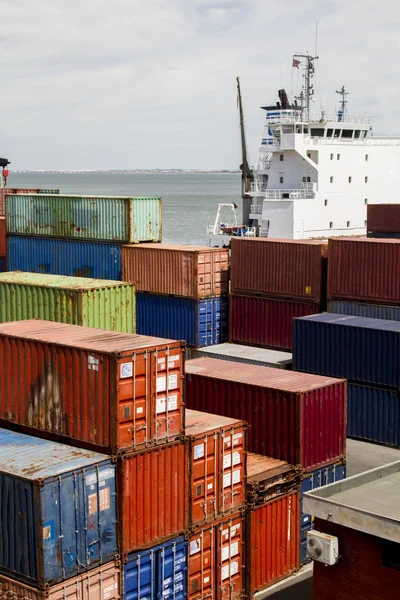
x=105, y=499
x=139, y=410
x=172, y=404
x=162, y=382
x=234, y=548
x=195, y=546
x=171, y=361
x=236, y=438
x=206, y=579
x=126, y=370
x=172, y=381
x=230, y=570
x=233, y=531
x=227, y=459
x=235, y=479
x=307, y=290
x=92, y=504
x=198, y=451
x=210, y=486
x=47, y=532
x=93, y=363
x=109, y=591
x=102, y=475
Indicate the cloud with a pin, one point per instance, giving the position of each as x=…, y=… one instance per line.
x=152, y=84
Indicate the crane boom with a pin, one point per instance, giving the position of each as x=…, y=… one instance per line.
x=247, y=173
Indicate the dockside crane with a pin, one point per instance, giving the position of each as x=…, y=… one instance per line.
x=247, y=173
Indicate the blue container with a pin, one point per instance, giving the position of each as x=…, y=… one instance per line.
x=199, y=322
x=373, y=414
x=359, y=349
x=74, y=258
x=3, y=264
x=159, y=573
x=58, y=515
x=371, y=311
x=312, y=481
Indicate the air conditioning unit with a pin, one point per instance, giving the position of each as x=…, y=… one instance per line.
x=322, y=547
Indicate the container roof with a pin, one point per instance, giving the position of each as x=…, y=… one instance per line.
x=197, y=422
x=350, y=321
x=86, y=338
x=58, y=281
x=61, y=196
x=365, y=240
x=263, y=240
x=264, y=467
x=368, y=502
x=175, y=247
x=34, y=458
x=278, y=379
x=249, y=353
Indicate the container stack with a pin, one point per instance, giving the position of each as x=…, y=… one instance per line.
x=182, y=291
x=294, y=417
x=383, y=221
x=77, y=235
x=273, y=281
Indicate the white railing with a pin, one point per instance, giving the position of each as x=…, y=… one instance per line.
x=370, y=141
x=306, y=191
x=263, y=231
x=319, y=118
x=256, y=209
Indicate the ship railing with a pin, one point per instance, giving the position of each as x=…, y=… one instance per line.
x=318, y=118
x=263, y=231
x=256, y=209
x=369, y=141
x=282, y=194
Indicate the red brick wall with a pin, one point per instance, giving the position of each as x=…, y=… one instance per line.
x=359, y=574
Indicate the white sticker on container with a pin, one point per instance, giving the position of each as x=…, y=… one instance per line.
x=172, y=403
x=234, y=568
x=175, y=358
x=227, y=480
x=236, y=476
x=198, y=451
x=103, y=474
x=139, y=410
x=109, y=591
x=172, y=381
x=126, y=370
x=206, y=579
x=225, y=551
x=210, y=486
x=161, y=361
x=195, y=546
x=227, y=441
x=236, y=438
x=227, y=460
x=161, y=383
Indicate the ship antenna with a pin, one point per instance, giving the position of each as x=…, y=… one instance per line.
x=308, y=86
x=342, y=92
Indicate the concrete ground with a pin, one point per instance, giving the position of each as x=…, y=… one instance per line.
x=360, y=457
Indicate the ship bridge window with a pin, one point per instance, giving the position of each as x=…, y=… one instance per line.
x=337, y=133
x=299, y=129
x=329, y=133
x=305, y=129
x=365, y=133
x=357, y=134
x=287, y=129
x=317, y=132
x=347, y=133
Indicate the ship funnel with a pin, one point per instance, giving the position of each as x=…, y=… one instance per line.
x=283, y=99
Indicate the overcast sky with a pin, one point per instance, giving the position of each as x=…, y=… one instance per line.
x=90, y=84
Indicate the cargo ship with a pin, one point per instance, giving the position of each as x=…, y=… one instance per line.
x=316, y=173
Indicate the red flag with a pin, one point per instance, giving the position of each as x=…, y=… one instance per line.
x=296, y=63
x=234, y=206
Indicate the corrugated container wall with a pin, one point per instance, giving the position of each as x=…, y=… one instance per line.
x=383, y=218
x=73, y=258
x=294, y=269
x=157, y=573
x=245, y=354
x=188, y=271
x=265, y=322
x=198, y=322
x=358, y=309
x=3, y=242
x=102, y=583
x=75, y=300
x=97, y=388
x=388, y=236
x=4, y=192
x=152, y=496
x=286, y=411
x=318, y=339
x=46, y=538
x=364, y=269
x=101, y=218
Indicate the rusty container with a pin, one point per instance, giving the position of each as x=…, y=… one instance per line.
x=3, y=240
x=365, y=269
x=216, y=561
x=286, y=411
x=152, y=497
x=178, y=270
x=101, y=389
x=287, y=269
x=383, y=218
x=4, y=192
x=102, y=583
x=272, y=522
x=217, y=466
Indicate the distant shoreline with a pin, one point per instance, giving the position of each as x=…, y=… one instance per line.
x=127, y=172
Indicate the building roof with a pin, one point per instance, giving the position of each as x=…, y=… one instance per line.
x=368, y=502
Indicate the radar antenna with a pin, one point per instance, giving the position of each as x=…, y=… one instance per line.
x=308, y=87
x=342, y=111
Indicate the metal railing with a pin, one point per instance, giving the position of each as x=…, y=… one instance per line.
x=319, y=118
x=278, y=194
x=256, y=209
x=370, y=141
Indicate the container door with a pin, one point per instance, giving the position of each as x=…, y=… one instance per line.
x=138, y=578
x=202, y=583
x=230, y=560
x=167, y=372
x=204, y=478
x=233, y=470
x=171, y=567
x=134, y=390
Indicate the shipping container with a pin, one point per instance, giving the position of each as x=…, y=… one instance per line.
x=265, y=322
x=311, y=481
x=202, y=564
x=3, y=264
x=7, y=191
x=178, y=270
x=245, y=354
x=373, y=414
x=101, y=218
x=364, y=269
x=288, y=269
x=46, y=537
x=101, y=583
x=389, y=236
x=346, y=346
x=73, y=258
x=272, y=522
x=383, y=218
x=115, y=392
x=152, y=496
x=286, y=411
x=198, y=322
x=217, y=466
x=3, y=241
x=75, y=300
x=157, y=573
x=360, y=309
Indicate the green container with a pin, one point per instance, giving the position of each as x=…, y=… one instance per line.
x=100, y=218
x=76, y=300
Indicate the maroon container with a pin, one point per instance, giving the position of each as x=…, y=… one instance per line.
x=3, y=242
x=383, y=218
x=265, y=322
x=297, y=417
x=364, y=269
x=292, y=269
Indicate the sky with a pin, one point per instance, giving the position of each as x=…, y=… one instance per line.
x=136, y=84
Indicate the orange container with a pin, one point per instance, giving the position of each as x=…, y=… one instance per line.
x=217, y=466
x=152, y=496
x=216, y=561
x=177, y=270
x=3, y=241
x=105, y=390
x=272, y=522
x=102, y=583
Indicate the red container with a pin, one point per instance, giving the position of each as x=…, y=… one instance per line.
x=383, y=218
x=292, y=269
x=152, y=496
x=216, y=561
x=297, y=417
x=177, y=270
x=5, y=191
x=364, y=269
x=3, y=241
x=217, y=466
x=90, y=387
x=265, y=322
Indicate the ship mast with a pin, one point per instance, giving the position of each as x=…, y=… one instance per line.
x=342, y=92
x=308, y=86
x=247, y=173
